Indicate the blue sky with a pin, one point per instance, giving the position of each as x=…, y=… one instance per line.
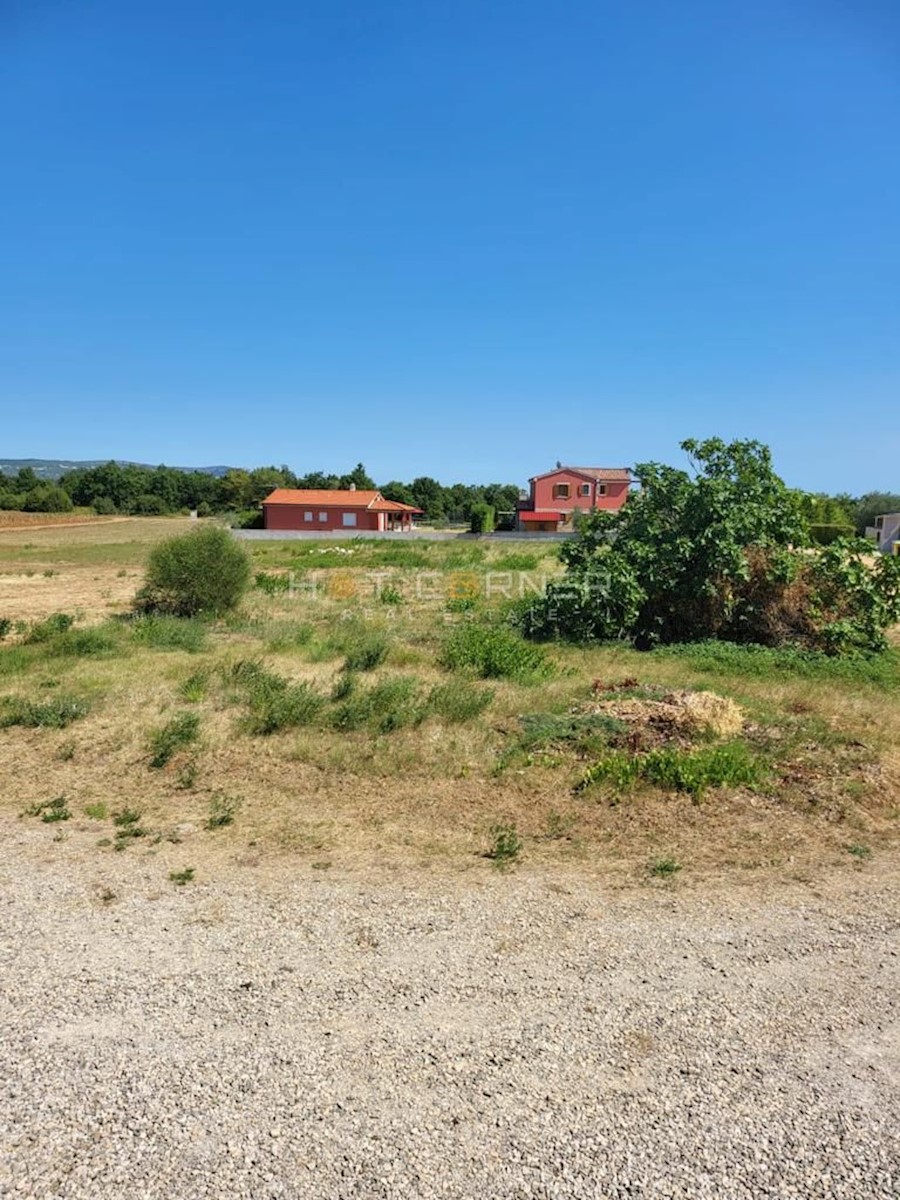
x=462, y=239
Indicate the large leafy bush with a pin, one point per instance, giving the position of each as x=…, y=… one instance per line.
x=205, y=572
x=720, y=552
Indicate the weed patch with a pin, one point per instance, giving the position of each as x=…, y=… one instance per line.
x=50, y=811
x=458, y=701
x=673, y=769
x=56, y=713
x=177, y=733
x=160, y=632
x=494, y=653
x=222, y=811
x=506, y=847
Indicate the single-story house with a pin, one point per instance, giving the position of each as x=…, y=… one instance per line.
x=558, y=495
x=323, y=509
x=886, y=533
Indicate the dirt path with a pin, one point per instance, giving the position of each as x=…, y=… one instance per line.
x=287, y=1032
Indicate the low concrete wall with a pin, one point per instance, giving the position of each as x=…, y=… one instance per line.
x=427, y=535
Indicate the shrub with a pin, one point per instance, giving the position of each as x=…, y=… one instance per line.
x=389, y=705
x=664, y=868
x=5, y=627
x=280, y=705
x=824, y=535
x=198, y=573
x=51, y=714
x=161, y=632
x=177, y=733
x=98, y=642
x=50, y=811
x=366, y=652
x=458, y=701
x=506, y=847
x=390, y=594
x=494, y=653
x=482, y=518
x=50, y=627
x=149, y=505
x=222, y=811
x=104, y=507
x=48, y=498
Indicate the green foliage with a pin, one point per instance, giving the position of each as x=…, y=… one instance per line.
x=672, y=769
x=55, y=713
x=180, y=878
x=726, y=658
x=390, y=594
x=858, y=850
x=458, y=701
x=222, y=811
x=823, y=535
x=276, y=704
x=717, y=554
x=506, y=847
x=128, y=827
x=205, y=572
x=50, y=627
x=364, y=650
x=161, y=632
x=494, y=652
x=177, y=733
x=515, y=561
x=104, y=507
x=47, y=498
x=577, y=730
x=271, y=583
x=97, y=642
x=5, y=627
x=193, y=689
x=481, y=519
x=389, y=705
x=96, y=811
x=50, y=811
x=664, y=868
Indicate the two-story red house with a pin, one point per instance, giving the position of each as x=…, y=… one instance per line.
x=557, y=495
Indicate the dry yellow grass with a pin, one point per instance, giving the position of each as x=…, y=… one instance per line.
x=426, y=794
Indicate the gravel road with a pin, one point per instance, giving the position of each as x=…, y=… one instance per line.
x=286, y=1032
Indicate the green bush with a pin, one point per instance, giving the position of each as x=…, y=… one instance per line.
x=276, y=704
x=389, y=705
x=482, y=519
x=50, y=714
x=51, y=627
x=161, y=632
x=5, y=627
x=104, y=507
x=47, y=498
x=97, y=642
x=494, y=652
x=367, y=652
x=205, y=572
x=177, y=733
x=149, y=505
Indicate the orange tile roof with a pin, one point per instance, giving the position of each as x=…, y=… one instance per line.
x=335, y=498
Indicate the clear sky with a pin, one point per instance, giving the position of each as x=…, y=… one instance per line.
x=461, y=238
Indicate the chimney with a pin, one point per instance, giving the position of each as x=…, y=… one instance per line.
x=352, y=487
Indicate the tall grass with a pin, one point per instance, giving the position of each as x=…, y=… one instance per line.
x=494, y=652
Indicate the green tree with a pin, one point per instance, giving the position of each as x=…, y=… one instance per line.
x=205, y=572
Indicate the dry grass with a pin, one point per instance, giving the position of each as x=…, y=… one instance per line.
x=430, y=792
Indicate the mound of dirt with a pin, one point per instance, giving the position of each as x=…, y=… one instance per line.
x=676, y=716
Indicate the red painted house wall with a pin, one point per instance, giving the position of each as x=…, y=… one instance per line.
x=543, y=497
x=291, y=516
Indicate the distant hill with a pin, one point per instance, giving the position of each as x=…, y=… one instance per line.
x=48, y=468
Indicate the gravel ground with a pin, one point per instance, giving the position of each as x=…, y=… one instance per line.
x=281, y=1032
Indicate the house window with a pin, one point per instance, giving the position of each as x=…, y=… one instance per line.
x=560, y=491
x=349, y=519
x=323, y=517
x=307, y=516
x=585, y=489
x=601, y=489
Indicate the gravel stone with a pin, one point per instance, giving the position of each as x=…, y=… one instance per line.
x=275, y=1032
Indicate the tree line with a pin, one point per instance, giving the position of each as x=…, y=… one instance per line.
x=157, y=491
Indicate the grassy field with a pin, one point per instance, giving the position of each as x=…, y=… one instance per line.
x=369, y=703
